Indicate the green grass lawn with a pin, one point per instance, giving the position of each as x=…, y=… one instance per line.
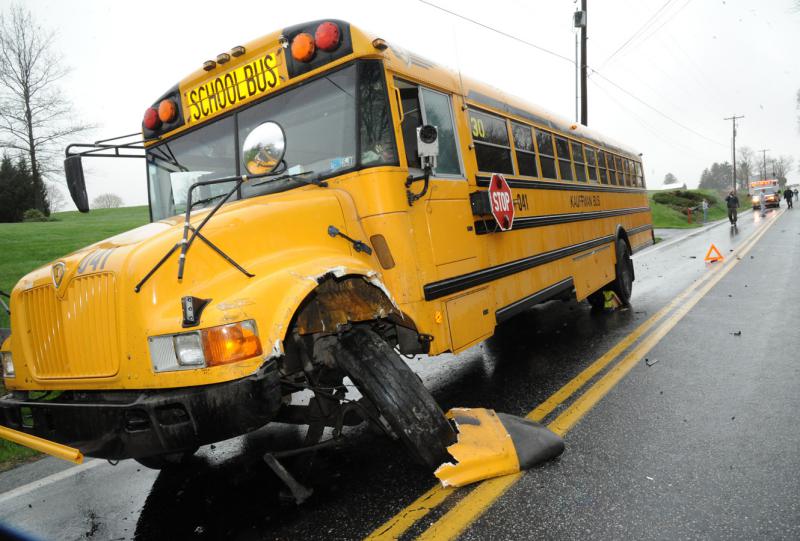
x=667, y=217
x=26, y=246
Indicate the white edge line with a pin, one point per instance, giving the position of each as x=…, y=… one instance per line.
x=49, y=480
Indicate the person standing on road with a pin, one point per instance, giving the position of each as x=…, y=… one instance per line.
x=733, y=204
x=788, y=195
x=795, y=194
x=704, y=205
x=762, y=203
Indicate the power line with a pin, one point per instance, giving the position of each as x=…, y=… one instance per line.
x=571, y=61
x=665, y=115
x=473, y=21
x=668, y=19
x=638, y=31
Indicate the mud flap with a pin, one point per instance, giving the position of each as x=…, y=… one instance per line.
x=494, y=444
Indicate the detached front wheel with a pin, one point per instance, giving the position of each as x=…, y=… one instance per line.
x=623, y=282
x=398, y=394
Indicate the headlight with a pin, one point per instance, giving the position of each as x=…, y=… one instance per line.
x=189, y=349
x=8, y=365
x=207, y=347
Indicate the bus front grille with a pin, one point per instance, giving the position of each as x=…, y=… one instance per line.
x=74, y=336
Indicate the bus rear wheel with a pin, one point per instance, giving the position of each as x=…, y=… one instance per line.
x=623, y=282
x=398, y=394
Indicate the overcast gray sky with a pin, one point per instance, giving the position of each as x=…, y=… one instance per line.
x=696, y=63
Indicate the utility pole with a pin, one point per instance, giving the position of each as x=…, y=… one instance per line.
x=764, y=168
x=579, y=21
x=733, y=149
x=584, y=101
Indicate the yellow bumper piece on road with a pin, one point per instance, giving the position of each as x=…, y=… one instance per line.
x=42, y=445
x=494, y=444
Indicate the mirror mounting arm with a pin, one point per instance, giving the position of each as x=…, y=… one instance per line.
x=426, y=176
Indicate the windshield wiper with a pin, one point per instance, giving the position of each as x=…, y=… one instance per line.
x=186, y=241
x=207, y=200
x=296, y=176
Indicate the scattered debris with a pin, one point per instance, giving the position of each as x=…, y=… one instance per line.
x=692, y=257
x=751, y=257
x=650, y=478
x=648, y=362
x=729, y=295
x=732, y=418
x=737, y=333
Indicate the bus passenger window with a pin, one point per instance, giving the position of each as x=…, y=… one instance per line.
x=564, y=165
x=577, y=155
x=544, y=140
x=591, y=162
x=601, y=167
x=624, y=170
x=639, y=174
x=492, y=149
x=523, y=145
x=437, y=112
x=631, y=176
x=620, y=172
x=612, y=175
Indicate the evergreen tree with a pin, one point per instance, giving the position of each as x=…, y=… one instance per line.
x=9, y=212
x=16, y=189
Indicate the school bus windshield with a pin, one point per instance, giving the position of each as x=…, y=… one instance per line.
x=322, y=139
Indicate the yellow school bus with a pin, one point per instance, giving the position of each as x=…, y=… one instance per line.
x=320, y=201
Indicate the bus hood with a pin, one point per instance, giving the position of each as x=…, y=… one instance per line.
x=82, y=318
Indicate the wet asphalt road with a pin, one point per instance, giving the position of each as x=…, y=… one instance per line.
x=701, y=444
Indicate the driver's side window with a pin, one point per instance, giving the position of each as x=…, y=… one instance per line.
x=420, y=106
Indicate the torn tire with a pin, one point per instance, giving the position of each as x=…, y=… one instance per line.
x=398, y=394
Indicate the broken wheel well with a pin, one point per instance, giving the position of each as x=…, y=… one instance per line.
x=338, y=302
x=623, y=235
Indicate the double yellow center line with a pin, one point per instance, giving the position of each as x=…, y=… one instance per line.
x=474, y=504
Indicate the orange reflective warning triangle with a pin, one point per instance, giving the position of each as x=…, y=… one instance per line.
x=712, y=258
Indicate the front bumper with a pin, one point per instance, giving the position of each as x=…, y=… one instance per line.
x=134, y=424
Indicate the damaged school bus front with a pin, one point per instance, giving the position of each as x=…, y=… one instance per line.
x=198, y=326
x=119, y=373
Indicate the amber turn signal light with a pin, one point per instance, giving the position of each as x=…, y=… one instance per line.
x=303, y=47
x=167, y=110
x=230, y=343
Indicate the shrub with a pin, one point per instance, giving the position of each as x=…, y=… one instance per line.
x=33, y=215
x=680, y=200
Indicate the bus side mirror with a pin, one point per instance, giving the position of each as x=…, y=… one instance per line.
x=427, y=142
x=73, y=169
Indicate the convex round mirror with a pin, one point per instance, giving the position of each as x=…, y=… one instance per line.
x=264, y=148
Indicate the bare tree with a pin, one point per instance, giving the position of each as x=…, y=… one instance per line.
x=58, y=201
x=107, y=201
x=34, y=116
x=780, y=166
x=744, y=167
